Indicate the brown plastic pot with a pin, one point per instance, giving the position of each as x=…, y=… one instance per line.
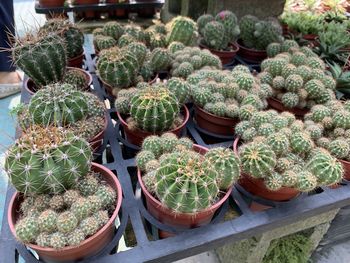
x=346, y=167
x=213, y=123
x=32, y=88
x=185, y=220
x=136, y=137
x=87, y=248
x=226, y=57
x=51, y=3
x=277, y=105
x=97, y=140
x=249, y=54
x=76, y=62
x=257, y=186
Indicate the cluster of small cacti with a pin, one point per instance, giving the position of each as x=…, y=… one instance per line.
x=236, y=94
x=182, y=179
x=187, y=60
x=152, y=108
x=66, y=219
x=258, y=34
x=72, y=35
x=282, y=151
x=333, y=120
x=219, y=31
x=297, y=76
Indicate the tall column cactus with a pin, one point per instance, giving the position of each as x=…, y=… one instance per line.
x=182, y=29
x=154, y=109
x=47, y=160
x=42, y=58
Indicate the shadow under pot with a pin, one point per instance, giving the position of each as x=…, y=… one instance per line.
x=214, y=124
x=137, y=136
x=177, y=219
x=88, y=247
x=32, y=88
x=256, y=186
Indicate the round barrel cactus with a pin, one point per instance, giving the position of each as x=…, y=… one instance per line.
x=182, y=29
x=113, y=29
x=42, y=58
x=154, y=109
x=58, y=104
x=47, y=160
x=180, y=88
x=213, y=35
x=185, y=184
x=118, y=67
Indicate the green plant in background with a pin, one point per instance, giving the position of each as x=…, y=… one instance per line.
x=342, y=79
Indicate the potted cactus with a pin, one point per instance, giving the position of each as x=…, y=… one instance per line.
x=62, y=105
x=171, y=169
x=151, y=109
x=222, y=98
x=72, y=35
x=186, y=60
x=65, y=206
x=255, y=36
x=333, y=118
x=297, y=76
x=279, y=158
x=219, y=34
x=182, y=29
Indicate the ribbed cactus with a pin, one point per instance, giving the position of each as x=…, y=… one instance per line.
x=180, y=88
x=185, y=184
x=273, y=49
x=102, y=42
x=43, y=58
x=58, y=104
x=113, y=29
x=182, y=29
x=213, y=35
x=154, y=109
x=160, y=59
x=76, y=78
x=118, y=67
x=258, y=159
x=60, y=159
x=203, y=20
x=230, y=23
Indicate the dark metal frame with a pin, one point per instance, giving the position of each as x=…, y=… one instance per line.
x=186, y=242
x=132, y=5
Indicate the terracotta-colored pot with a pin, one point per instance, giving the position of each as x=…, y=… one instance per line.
x=31, y=87
x=51, y=3
x=346, y=167
x=213, y=123
x=277, y=105
x=97, y=140
x=257, y=186
x=249, y=54
x=136, y=137
x=184, y=220
x=312, y=38
x=226, y=57
x=76, y=62
x=87, y=248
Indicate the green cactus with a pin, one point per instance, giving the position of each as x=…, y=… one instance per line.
x=290, y=100
x=203, y=20
x=265, y=78
x=43, y=59
x=56, y=203
x=126, y=40
x=245, y=81
x=76, y=78
x=27, y=229
x=247, y=27
x=180, y=88
x=47, y=221
x=301, y=142
x=186, y=142
x=58, y=240
x=339, y=148
x=290, y=178
x=175, y=46
x=298, y=59
x=186, y=184
x=294, y=83
x=249, y=134
x=153, y=144
x=182, y=29
x=276, y=66
x=230, y=22
x=314, y=88
x=232, y=111
x=57, y=104
x=89, y=226
x=278, y=142
x=88, y=185
x=160, y=59
x=97, y=32
x=246, y=112
x=75, y=237
x=139, y=50
x=113, y=29
x=288, y=44
x=274, y=181
x=306, y=181
x=102, y=42
x=168, y=142
x=95, y=202
x=184, y=70
x=278, y=83
x=66, y=222
x=43, y=240
x=213, y=35
x=143, y=157
x=341, y=119
x=319, y=112
x=266, y=32
x=81, y=208
x=326, y=168
x=154, y=109
x=288, y=70
x=107, y=195
x=315, y=63
x=151, y=166
x=60, y=159
x=273, y=49
x=157, y=40
x=101, y=217
x=315, y=131
x=118, y=67
x=135, y=31
x=258, y=159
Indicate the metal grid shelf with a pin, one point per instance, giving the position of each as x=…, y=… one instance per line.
x=189, y=242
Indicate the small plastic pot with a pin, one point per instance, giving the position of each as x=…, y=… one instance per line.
x=184, y=220
x=277, y=105
x=76, y=62
x=226, y=57
x=257, y=186
x=88, y=247
x=213, y=123
x=32, y=88
x=136, y=137
x=249, y=54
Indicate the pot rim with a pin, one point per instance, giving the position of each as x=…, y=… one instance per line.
x=67, y=248
x=252, y=50
x=186, y=118
x=226, y=52
x=170, y=211
x=212, y=115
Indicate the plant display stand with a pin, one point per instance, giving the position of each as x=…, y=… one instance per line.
x=237, y=220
